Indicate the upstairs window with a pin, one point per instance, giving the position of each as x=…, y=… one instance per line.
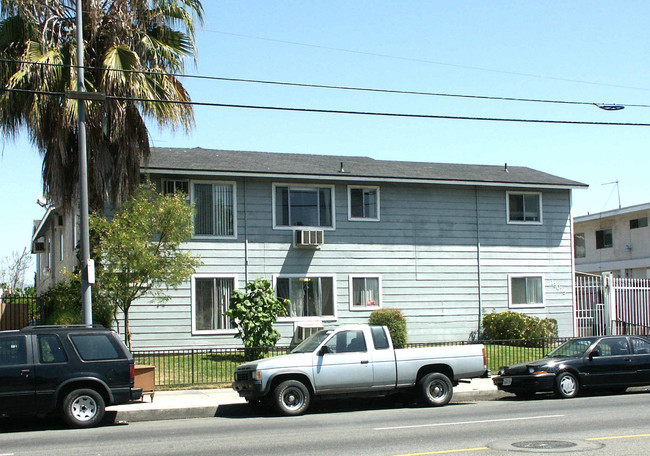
x=297, y=206
x=214, y=204
x=524, y=207
x=363, y=203
x=604, y=239
x=638, y=223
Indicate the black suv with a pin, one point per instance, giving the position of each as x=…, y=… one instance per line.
x=75, y=371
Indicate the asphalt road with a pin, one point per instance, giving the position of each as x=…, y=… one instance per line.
x=598, y=425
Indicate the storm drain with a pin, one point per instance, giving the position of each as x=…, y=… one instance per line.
x=545, y=445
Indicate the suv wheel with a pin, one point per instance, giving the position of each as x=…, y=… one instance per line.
x=83, y=408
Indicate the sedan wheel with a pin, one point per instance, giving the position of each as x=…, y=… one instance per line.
x=566, y=385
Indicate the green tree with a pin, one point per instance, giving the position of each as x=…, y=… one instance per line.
x=138, y=251
x=253, y=313
x=133, y=48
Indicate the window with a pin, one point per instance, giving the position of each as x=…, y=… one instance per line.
x=526, y=291
x=365, y=292
x=309, y=296
x=604, y=239
x=613, y=347
x=50, y=349
x=524, y=207
x=171, y=187
x=176, y=186
x=579, y=245
x=13, y=351
x=347, y=342
x=638, y=223
x=640, y=346
x=95, y=347
x=215, y=209
x=363, y=203
x=379, y=338
x=303, y=206
x=211, y=300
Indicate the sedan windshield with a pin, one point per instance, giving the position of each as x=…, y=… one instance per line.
x=312, y=342
x=572, y=348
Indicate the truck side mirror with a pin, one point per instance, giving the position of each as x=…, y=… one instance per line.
x=593, y=354
x=324, y=349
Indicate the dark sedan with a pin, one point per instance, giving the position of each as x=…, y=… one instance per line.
x=608, y=362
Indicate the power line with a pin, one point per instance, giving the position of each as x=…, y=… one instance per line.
x=348, y=112
x=433, y=62
x=340, y=87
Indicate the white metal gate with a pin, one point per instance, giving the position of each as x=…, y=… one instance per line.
x=608, y=305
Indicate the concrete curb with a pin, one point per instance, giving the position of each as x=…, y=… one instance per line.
x=228, y=404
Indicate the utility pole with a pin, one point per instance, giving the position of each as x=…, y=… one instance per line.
x=86, y=263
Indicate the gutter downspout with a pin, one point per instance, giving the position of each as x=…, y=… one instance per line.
x=478, y=261
x=245, y=235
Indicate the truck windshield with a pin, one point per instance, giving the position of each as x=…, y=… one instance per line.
x=312, y=342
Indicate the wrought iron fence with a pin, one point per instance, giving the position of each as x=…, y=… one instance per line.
x=216, y=366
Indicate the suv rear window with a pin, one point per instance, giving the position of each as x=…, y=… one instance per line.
x=95, y=347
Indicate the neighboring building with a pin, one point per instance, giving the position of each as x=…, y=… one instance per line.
x=343, y=236
x=54, y=242
x=616, y=241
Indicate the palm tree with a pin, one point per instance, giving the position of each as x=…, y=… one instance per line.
x=133, y=50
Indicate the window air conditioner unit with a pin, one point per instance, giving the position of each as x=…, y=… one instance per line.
x=302, y=331
x=309, y=238
x=39, y=247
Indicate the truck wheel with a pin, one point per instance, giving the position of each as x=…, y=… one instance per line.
x=291, y=398
x=566, y=385
x=435, y=389
x=83, y=408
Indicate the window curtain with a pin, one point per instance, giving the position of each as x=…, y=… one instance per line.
x=212, y=301
x=203, y=222
x=365, y=292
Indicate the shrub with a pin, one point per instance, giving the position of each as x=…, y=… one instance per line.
x=518, y=326
x=61, y=305
x=253, y=314
x=395, y=321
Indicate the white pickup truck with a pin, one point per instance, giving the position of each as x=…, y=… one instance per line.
x=356, y=360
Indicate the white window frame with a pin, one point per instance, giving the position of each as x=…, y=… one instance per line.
x=366, y=308
x=234, y=208
x=207, y=332
x=322, y=318
x=511, y=305
x=520, y=222
x=296, y=227
x=363, y=219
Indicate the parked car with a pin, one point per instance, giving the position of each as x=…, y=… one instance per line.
x=356, y=360
x=609, y=362
x=75, y=371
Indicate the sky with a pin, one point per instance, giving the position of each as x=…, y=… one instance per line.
x=591, y=52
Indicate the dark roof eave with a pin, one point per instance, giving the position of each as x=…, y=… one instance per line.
x=359, y=177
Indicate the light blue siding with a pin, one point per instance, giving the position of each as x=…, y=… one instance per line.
x=428, y=247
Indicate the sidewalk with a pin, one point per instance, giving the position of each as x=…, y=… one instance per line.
x=169, y=405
